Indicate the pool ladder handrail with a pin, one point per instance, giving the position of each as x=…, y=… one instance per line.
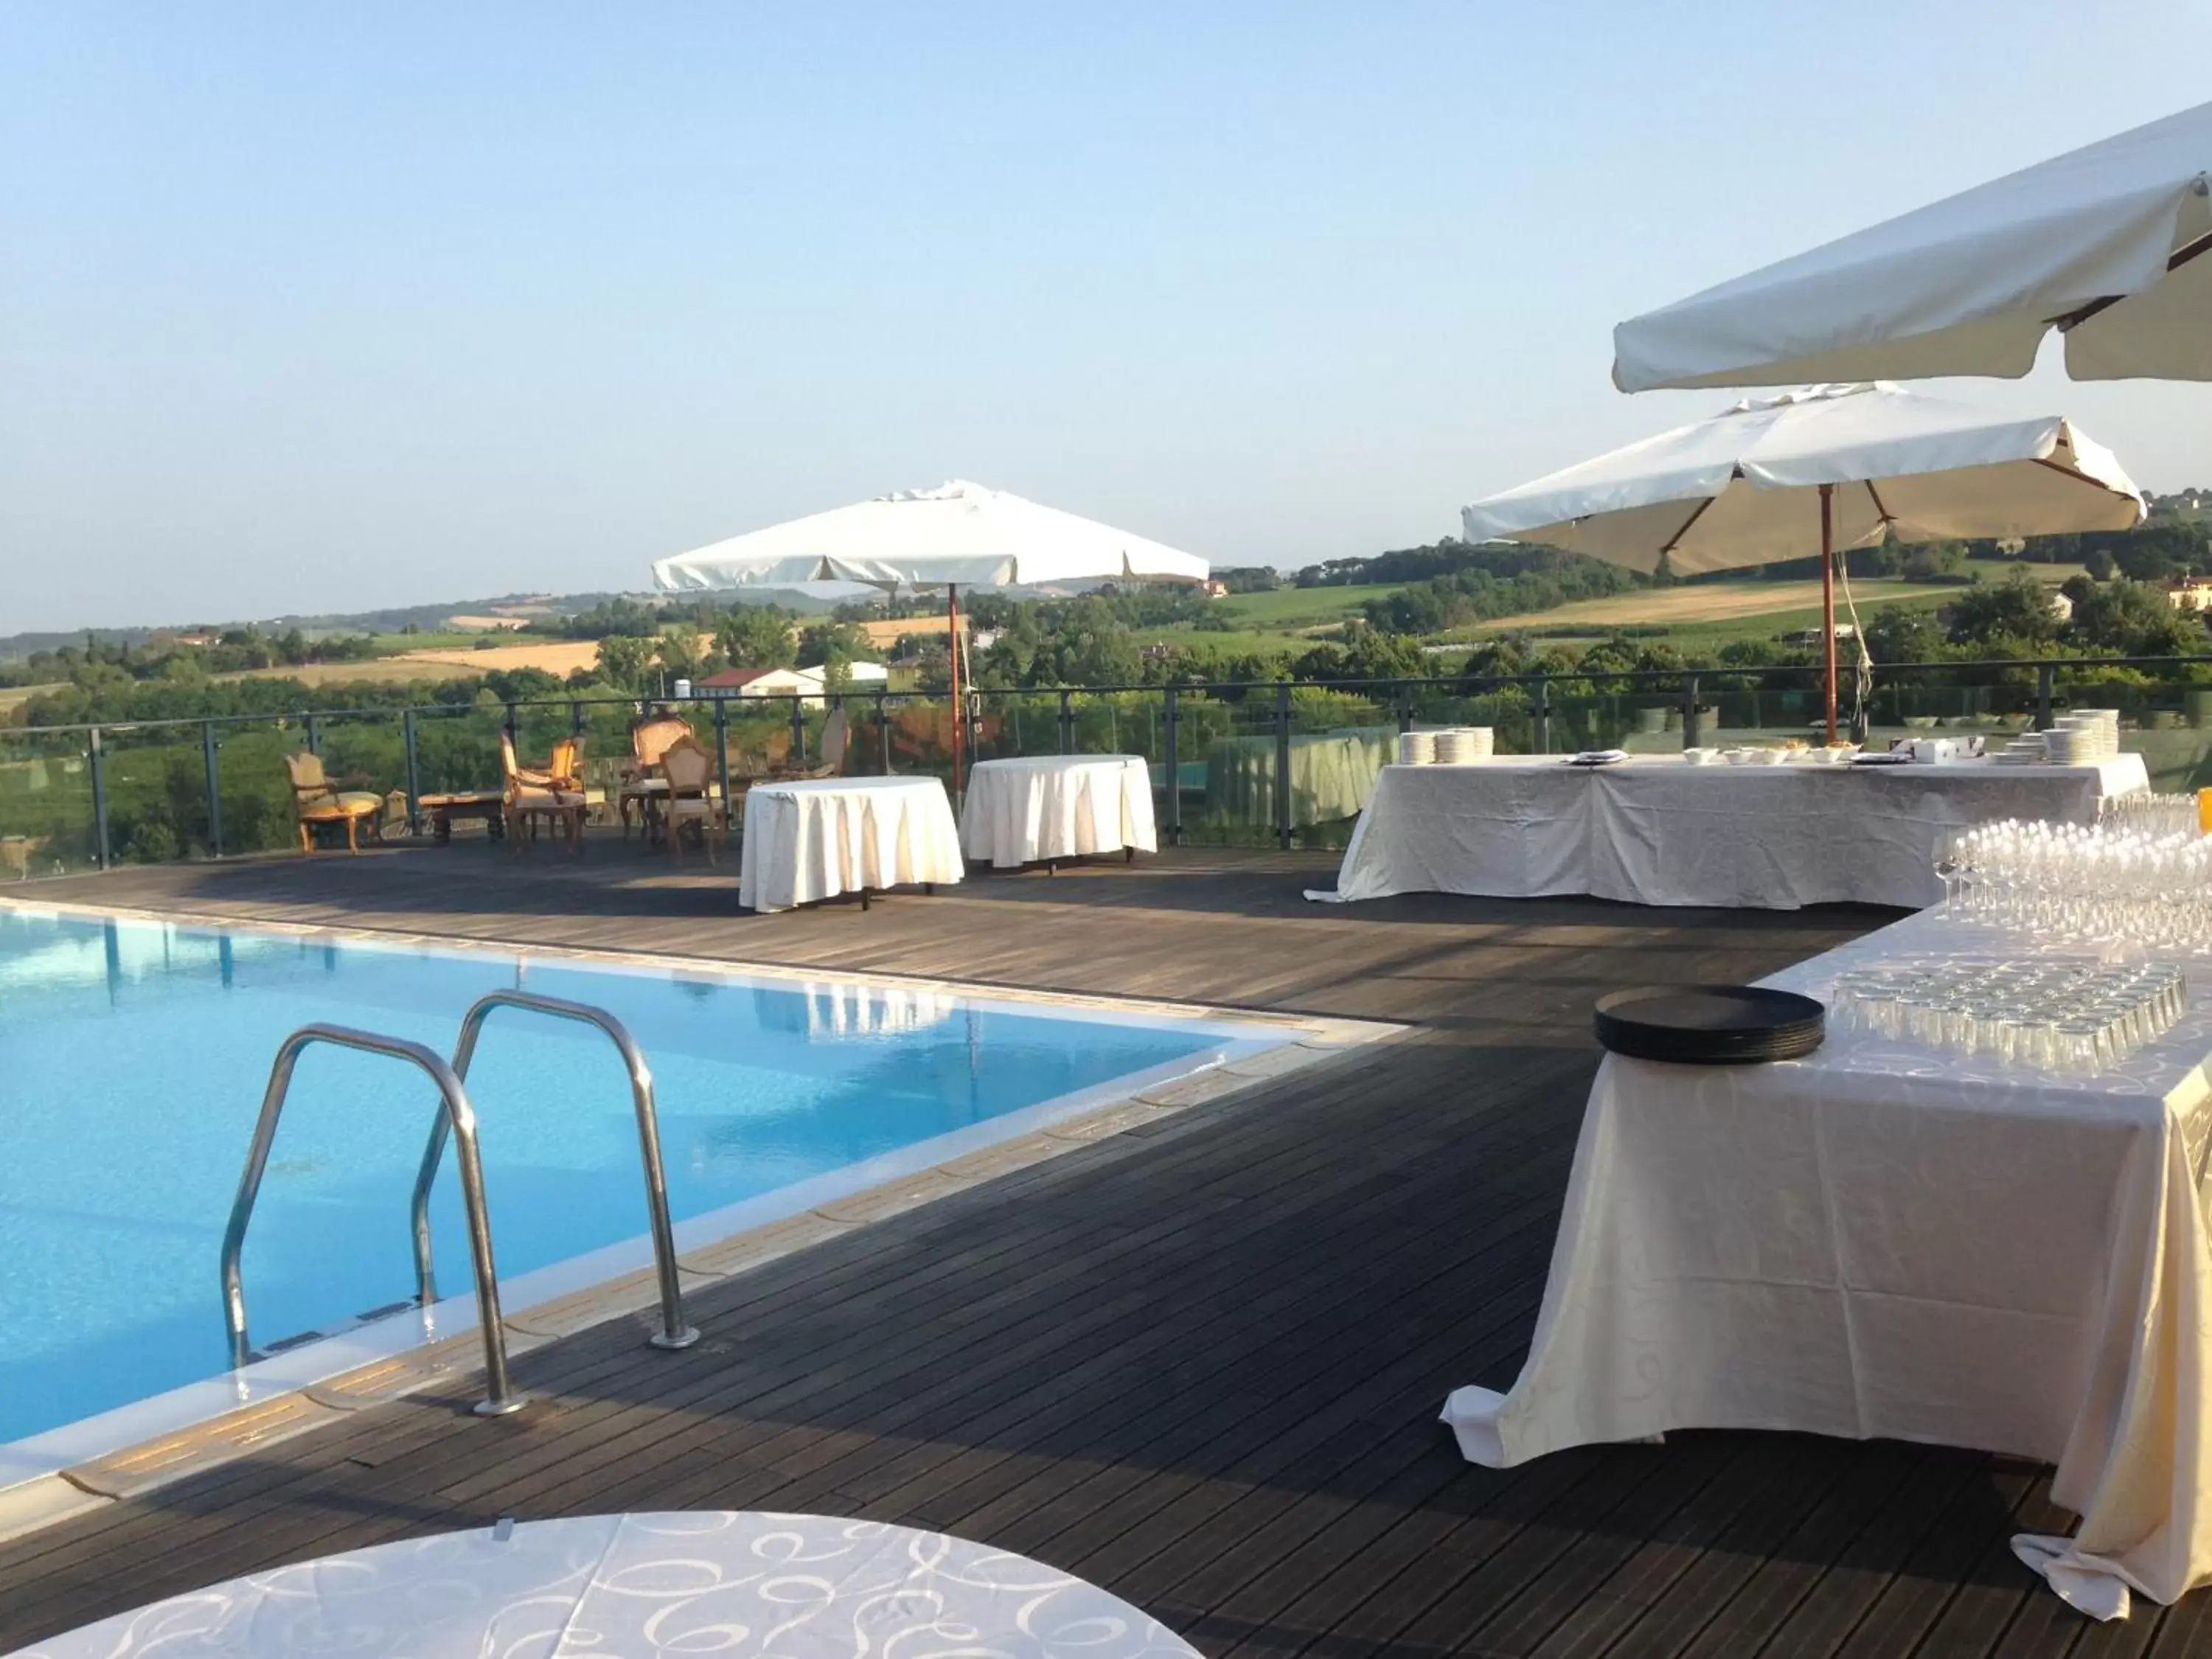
x=674, y=1333
x=454, y=1110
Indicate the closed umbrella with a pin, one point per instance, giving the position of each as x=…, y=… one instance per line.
x=2108, y=244
x=1810, y=472
x=957, y=535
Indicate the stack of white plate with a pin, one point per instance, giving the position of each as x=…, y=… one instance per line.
x=2026, y=749
x=1461, y=744
x=1417, y=748
x=2091, y=735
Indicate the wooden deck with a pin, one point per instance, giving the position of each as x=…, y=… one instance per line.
x=1200, y=1364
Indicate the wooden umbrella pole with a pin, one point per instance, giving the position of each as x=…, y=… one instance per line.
x=959, y=708
x=1828, y=598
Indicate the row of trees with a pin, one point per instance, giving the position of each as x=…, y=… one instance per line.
x=164, y=656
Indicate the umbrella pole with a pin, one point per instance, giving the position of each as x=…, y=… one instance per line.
x=1828, y=599
x=959, y=710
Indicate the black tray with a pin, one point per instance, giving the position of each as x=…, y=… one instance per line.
x=1710, y=1024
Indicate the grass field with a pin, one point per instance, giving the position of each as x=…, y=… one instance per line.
x=1292, y=610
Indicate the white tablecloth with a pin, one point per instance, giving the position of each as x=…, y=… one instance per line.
x=815, y=840
x=744, y=1585
x=1652, y=831
x=1888, y=1240
x=1056, y=807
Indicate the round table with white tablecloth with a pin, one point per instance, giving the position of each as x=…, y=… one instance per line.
x=741, y=1584
x=822, y=837
x=1037, y=808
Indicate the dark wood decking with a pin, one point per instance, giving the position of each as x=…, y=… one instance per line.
x=1199, y=1364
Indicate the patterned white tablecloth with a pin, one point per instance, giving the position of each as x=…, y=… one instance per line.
x=744, y=1585
x=1889, y=1240
x=1056, y=807
x=1660, y=831
x=817, y=839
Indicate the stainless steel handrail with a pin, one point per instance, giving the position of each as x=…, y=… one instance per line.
x=453, y=1111
x=673, y=1332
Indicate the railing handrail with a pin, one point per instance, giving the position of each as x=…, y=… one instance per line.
x=785, y=700
x=453, y=1111
x=674, y=1333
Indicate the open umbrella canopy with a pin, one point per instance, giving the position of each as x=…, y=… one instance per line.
x=1743, y=488
x=2106, y=243
x=958, y=533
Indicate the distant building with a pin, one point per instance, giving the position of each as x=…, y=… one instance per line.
x=1216, y=588
x=497, y=624
x=1811, y=636
x=2061, y=607
x=201, y=639
x=2190, y=593
x=803, y=683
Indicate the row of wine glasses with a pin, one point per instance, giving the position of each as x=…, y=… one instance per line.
x=2054, y=1015
x=2100, y=883
x=2144, y=813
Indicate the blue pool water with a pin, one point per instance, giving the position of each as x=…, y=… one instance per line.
x=133, y=1055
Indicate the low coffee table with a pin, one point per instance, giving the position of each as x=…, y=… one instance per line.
x=489, y=804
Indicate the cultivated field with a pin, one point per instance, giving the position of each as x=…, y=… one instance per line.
x=382, y=669
x=1724, y=602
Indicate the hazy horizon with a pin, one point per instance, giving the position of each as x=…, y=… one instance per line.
x=309, y=311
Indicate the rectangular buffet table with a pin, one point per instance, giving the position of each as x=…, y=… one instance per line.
x=1888, y=1240
x=1662, y=832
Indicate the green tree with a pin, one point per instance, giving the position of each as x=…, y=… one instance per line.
x=755, y=636
x=1900, y=634
x=820, y=643
x=676, y=650
x=626, y=658
x=2133, y=619
x=2018, y=608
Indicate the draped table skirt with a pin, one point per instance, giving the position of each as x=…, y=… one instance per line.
x=1664, y=832
x=815, y=840
x=1888, y=1240
x=1056, y=807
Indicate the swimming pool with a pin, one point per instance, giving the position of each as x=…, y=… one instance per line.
x=133, y=1053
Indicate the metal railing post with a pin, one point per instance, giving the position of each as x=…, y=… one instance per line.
x=213, y=788
x=674, y=1333
x=798, y=733
x=1283, y=763
x=883, y=734
x=1544, y=716
x=2043, y=678
x=414, y=774
x=1404, y=695
x=1068, y=722
x=455, y=1114
x=1171, y=746
x=1690, y=721
x=576, y=718
x=101, y=852
x=722, y=752
x=314, y=735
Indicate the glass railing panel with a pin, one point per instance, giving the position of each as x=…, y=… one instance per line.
x=45, y=805
x=157, y=797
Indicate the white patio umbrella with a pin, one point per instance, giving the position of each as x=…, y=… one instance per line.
x=1811, y=471
x=957, y=535
x=2106, y=244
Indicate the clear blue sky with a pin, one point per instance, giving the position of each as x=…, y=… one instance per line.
x=309, y=307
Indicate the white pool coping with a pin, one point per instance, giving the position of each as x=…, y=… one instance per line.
x=46, y=1476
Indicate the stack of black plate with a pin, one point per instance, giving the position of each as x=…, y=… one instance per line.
x=1710, y=1024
